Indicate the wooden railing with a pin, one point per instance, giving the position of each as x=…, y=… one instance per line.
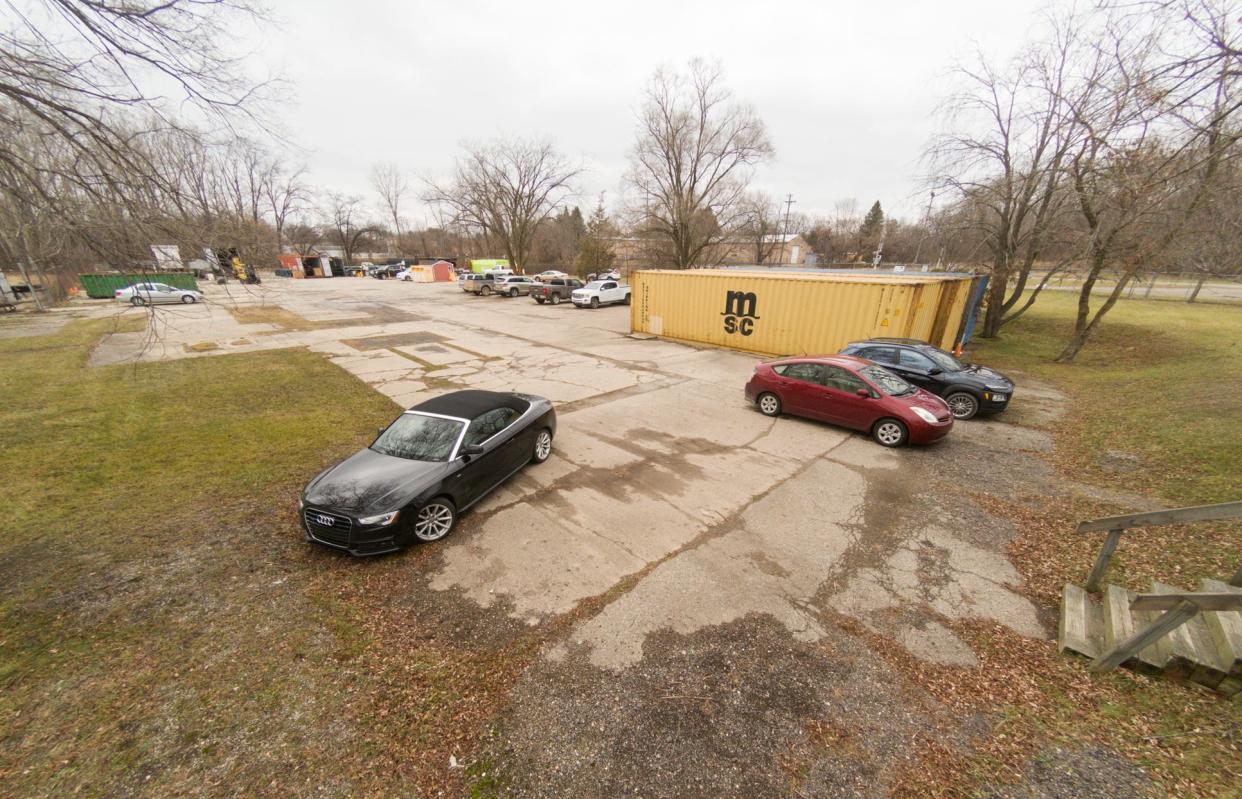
x=1178, y=608
x=1116, y=525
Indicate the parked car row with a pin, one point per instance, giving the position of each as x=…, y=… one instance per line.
x=550, y=287
x=441, y=456
x=899, y=391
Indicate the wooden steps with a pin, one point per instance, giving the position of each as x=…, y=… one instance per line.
x=1206, y=650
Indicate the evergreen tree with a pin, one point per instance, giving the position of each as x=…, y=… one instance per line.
x=869, y=231
x=595, y=248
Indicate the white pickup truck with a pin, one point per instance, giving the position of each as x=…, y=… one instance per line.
x=601, y=292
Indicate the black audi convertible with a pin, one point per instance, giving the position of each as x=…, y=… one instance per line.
x=434, y=461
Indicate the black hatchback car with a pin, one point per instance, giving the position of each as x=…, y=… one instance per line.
x=967, y=388
x=434, y=461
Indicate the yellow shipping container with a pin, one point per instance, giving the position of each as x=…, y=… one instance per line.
x=797, y=313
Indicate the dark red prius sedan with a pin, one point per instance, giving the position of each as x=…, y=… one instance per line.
x=851, y=392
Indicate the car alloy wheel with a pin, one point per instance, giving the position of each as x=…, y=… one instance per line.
x=513, y=292
x=889, y=433
x=962, y=405
x=769, y=405
x=555, y=299
x=543, y=445
x=595, y=302
x=485, y=290
x=627, y=299
x=188, y=298
x=434, y=520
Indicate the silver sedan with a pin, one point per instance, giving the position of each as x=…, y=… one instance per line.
x=156, y=294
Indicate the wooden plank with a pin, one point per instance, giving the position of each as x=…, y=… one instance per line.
x=1203, y=601
x=1197, y=513
x=1186, y=657
x=1163, y=626
x=1101, y=562
x=1075, y=634
x=1226, y=629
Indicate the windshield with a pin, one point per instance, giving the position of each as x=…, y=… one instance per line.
x=594, y=284
x=419, y=438
x=887, y=382
x=944, y=360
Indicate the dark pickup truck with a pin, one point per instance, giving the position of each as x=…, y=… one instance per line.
x=555, y=290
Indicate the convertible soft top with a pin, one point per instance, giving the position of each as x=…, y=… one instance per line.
x=471, y=404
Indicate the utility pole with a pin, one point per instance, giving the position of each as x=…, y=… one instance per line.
x=789, y=201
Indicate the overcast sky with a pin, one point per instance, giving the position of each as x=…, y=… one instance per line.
x=847, y=89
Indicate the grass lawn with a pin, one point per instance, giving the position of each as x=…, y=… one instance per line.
x=1159, y=390
x=164, y=630
x=1161, y=381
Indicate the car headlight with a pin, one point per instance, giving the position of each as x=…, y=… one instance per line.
x=383, y=519
x=925, y=415
x=999, y=389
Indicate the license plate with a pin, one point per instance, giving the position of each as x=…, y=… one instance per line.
x=1000, y=397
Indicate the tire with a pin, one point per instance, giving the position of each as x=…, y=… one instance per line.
x=135, y=301
x=594, y=303
x=555, y=299
x=890, y=433
x=626, y=301
x=539, y=300
x=188, y=299
x=769, y=404
x=486, y=291
x=962, y=404
x=435, y=520
x=513, y=293
x=543, y=446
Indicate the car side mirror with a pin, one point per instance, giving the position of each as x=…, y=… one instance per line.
x=472, y=450
x=935, y=370
x=862, y=392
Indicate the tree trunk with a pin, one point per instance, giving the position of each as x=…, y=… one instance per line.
x=1082, y=328
x=34, y=295
x=1195, y=294
x=997, y=287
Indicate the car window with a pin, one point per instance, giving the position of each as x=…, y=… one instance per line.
x=945, y=361
x=609, y=286
x=914, y=360
x=488, y=425
x=419, y=438
x=555, y=282
x=594, y=284
x=882, y=354
x=810, y=372
x=843, y=380
x=888, y=382
x=163, y=288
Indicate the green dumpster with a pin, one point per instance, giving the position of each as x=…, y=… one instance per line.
x=102, y=287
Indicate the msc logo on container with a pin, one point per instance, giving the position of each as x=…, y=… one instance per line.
x=739, y=312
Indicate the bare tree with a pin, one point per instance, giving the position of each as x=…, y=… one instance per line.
x=285, y=193
x=344, y=219
x=1160, y=111
x=87, y=92
x=1002, y=158
x=391, y=186
x=505, y=189
x=760, y=225
x=304, y=237
x=692, y=161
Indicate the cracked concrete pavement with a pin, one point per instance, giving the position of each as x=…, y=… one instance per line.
x=669, y=501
